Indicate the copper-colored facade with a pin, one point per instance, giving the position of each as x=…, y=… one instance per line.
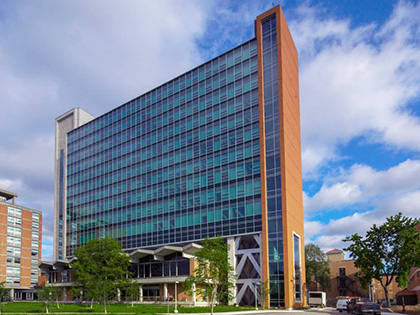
x=290, y=152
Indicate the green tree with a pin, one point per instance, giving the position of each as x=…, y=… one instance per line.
x=213, y=275
x=47, y=295
x=264, y=292
x=132, y=291
x=317, y=267
x=388, y=251
x=4, y=295
x=100, y=269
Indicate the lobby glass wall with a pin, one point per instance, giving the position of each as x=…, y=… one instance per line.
x=176, y=164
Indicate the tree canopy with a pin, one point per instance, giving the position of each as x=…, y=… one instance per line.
x=213, y=275
x=101, y=269
x=317, y=267
x=388, y=251
x=48, y=294
x=4, y=295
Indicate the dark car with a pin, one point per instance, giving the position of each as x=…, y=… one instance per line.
x=359, y=306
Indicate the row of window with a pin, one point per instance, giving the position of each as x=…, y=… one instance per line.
x=143, y=102
x=214, y=102
x=173, y=181
x=158, y=144
x=11, y=221
x=161, y=269
x=133, y=208
x=16, y=212
x=201, y=157
x=126, y=194
x=250, y=224
x=15, y=251
x=13, y=280
x=183, y=220
x=16, y=280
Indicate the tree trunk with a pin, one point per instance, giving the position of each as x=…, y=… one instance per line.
x=58, y=305
x=104, y=304
x=212, y=300
x=388, y=302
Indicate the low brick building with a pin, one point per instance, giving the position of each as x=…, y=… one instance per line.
x=345, y=283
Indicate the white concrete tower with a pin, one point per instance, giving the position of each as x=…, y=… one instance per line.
x=63, y=124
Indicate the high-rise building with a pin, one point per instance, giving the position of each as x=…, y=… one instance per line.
x=215, y=151
x=20, y=246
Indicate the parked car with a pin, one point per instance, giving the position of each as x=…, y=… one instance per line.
x=363, y=306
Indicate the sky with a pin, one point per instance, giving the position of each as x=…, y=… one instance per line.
x=359, y=72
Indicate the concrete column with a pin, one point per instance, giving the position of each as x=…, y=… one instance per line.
x=12, y=294
x=165, y=291
x=232, y=262
x=141, y=293
x=194, y=294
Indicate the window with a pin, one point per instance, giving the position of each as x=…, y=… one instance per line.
x=35, y=216
x=13, y=270
x=14, y=212
x=296, y=255
x=342, y=277
x=13, y=251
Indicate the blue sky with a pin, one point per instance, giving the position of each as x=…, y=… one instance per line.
x=359, y=67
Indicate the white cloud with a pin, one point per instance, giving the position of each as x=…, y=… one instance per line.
x=312, y=228
x=357, y=82
x=331, y=234
x=96, y=55
x=362, y=183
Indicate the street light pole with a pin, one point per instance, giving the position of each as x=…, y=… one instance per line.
x=256, y=297
x=176, y=297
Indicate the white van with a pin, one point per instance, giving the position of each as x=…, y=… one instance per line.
x=317, y=298
x=342, y=304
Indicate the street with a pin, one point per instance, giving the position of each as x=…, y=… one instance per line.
x=320, y=311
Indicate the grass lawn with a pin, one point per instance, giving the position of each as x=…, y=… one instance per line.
x=37, y=307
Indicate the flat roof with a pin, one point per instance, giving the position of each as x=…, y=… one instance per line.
x=7, y=194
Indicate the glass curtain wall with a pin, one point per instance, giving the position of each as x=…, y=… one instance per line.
x=272, y=145
x=174, y=165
